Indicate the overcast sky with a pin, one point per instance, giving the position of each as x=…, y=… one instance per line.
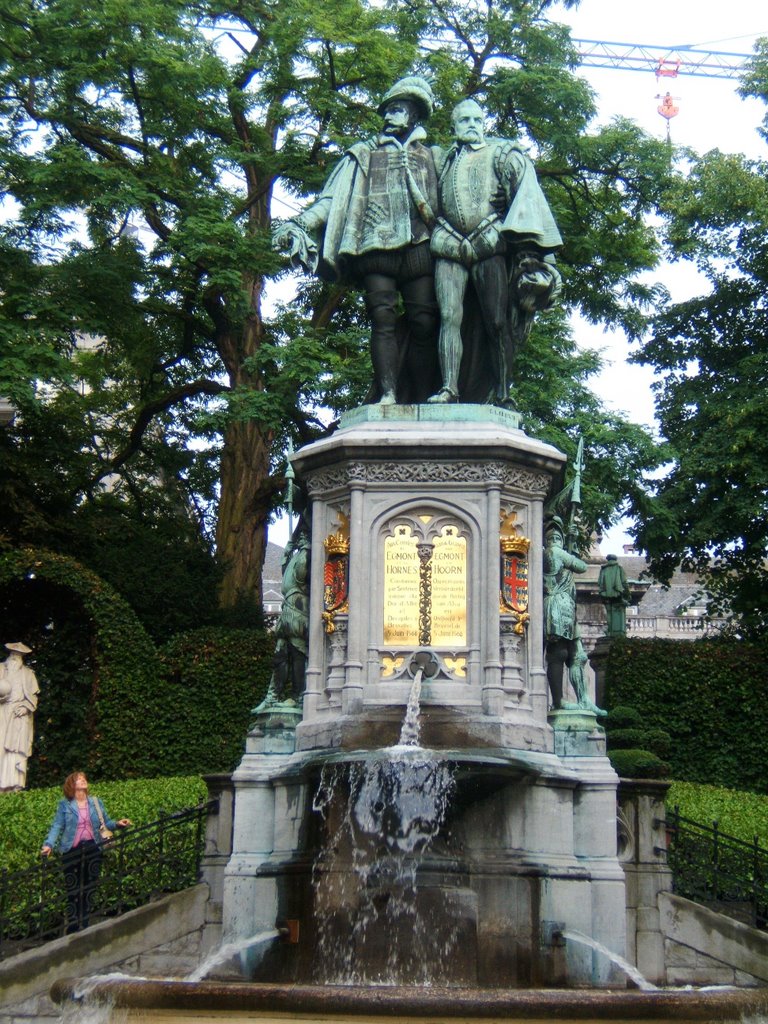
x=711, y=115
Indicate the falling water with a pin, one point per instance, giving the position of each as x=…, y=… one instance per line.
x=86, y=1012
x=84, y=1009
x=629, y=969
x=381, y=814
x=411, y=728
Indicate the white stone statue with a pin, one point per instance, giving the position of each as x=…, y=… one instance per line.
x=18, y=702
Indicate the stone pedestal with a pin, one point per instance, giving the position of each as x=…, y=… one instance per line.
x=427, y=537
x=396, y=480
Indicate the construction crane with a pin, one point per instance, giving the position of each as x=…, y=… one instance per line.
x=663, y=61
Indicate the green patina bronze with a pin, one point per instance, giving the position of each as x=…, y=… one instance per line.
x=371, y=226
x=564, y=647
x=286, y=687
x=460, y=240
x=614, y=590
x=493, y=244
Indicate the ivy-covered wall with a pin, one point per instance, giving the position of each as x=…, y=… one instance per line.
x=110, y=702
x=710, y=695
x=213, y=677
x=97, y=667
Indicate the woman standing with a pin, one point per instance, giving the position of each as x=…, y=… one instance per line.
x=75, y=829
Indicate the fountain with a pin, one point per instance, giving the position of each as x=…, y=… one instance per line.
x=442, y=842
x=426, y=596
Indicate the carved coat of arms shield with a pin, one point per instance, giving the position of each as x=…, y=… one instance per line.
x=514, y=582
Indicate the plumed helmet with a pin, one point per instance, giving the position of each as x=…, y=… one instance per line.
x=413, y=88
x=554, y=524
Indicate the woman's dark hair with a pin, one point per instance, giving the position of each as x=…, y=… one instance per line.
x=69, y=785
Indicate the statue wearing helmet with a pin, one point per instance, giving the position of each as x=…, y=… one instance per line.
x=371, y=225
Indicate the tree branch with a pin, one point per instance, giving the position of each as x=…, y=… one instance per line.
x=149, y=411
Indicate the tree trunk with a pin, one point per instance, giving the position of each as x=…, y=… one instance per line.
x=241, y=531
x=245, y=496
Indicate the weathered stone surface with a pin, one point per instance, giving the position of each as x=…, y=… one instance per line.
x=433, y=1002
x=718, y=942
x=27, y=977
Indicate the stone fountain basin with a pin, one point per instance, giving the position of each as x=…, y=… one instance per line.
x=501, y=760
x=350, y=1002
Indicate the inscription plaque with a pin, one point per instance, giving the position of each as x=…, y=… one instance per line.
x=425, y=589
x=401, y=588
x=449, y=589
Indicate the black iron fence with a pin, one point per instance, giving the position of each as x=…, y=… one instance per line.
x=144, y=863
x=726, y=873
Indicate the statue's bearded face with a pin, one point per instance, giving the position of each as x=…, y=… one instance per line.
x=468, y=123
x=399, y=117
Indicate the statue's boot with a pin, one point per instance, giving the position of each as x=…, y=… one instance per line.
x=270, y=701
x=444, y=397
x=508, y=402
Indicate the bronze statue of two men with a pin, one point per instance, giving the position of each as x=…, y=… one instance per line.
x=463, y=237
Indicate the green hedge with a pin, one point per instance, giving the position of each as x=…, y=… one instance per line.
x=708, y=694
x=25, y=817
x=738, y=813
x=97, y=691
x=634, y=763
x=213, y=679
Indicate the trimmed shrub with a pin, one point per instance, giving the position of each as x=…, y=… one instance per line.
x=626, y=739
x=623, y=717
x=655, y=740
x=638, y=764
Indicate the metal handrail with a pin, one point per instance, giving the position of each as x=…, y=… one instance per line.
x=142, y=864
x=709, y=866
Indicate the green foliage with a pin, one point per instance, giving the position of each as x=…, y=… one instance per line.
x=158, y=563
x=25, y=817
x=102, y=648
x=708, y=695
x=184, y=129
x=709, y=511
x=657, y=741
x=634, y=749
x=638, y=764
x=738, y=813
x=214, y=678
x=622, y=717
x=554, y=395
